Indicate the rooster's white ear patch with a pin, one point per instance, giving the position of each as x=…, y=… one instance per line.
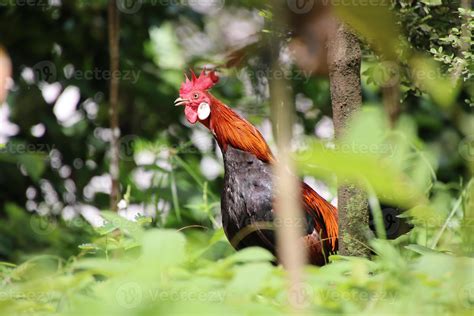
x=203, y=111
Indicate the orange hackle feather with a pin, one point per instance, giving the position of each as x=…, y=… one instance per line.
x=229, y=128
x=323, y=210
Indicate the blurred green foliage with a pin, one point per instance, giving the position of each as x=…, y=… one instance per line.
x=131, y=271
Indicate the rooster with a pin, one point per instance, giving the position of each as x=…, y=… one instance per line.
x=247, y=197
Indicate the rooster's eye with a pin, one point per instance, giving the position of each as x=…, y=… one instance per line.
x=196, y=95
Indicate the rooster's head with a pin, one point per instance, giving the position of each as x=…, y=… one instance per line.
x=195, y=97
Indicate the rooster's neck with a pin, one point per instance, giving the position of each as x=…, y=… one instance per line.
x=229, y=128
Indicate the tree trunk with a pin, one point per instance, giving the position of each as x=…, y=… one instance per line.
x=344, y=58
x=113, y=21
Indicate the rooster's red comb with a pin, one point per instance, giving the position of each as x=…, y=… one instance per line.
x=205, y=81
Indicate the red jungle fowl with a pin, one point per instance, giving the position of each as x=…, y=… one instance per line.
x=247, y=197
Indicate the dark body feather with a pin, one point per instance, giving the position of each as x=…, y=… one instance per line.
x=247, y=207
x=247, y=200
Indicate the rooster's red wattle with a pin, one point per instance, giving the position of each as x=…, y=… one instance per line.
x=247, y=198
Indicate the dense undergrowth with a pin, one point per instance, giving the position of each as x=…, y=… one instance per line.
x=150, y=267
x=129, y=270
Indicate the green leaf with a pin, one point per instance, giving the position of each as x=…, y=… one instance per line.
x=362, y=168
x=427, y=75
x=103, y=266
x=374, y=21
x=251, y=254
x=164, y=247
x=249, y=279
x=34, y=164
x=422, y=250
x=88, y=247
x=115, y=221
x=432, y=2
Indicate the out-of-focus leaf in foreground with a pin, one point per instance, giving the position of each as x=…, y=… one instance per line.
x=377, y=24
x=427, y=75
x=374, y=21
x=373, y=156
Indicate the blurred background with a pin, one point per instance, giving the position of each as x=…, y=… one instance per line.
x=54, y=123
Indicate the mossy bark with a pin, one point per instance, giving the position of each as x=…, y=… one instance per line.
x=344, y=58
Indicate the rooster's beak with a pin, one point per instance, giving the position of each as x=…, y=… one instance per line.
x=180, y=101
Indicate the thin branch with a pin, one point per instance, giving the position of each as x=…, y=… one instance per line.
x=445, y=225
x=114, y=26
x=5, y=73
x=286, y=185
